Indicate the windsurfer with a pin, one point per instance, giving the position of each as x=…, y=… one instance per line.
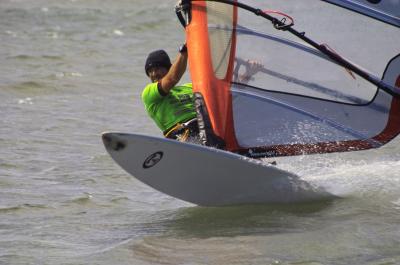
x=170, y=105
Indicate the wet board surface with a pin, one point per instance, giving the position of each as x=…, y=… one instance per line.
x=206, y=176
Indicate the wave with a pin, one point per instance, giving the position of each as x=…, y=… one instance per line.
x=29, y=85
x=84, y=199
x=8, y=209
x=26, y=57
x=361, y=174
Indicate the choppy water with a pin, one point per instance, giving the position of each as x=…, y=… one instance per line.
x=73, y=69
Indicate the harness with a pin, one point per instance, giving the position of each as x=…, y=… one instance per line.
x=182, y=131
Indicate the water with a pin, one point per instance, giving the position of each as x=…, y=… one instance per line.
x=73, y=69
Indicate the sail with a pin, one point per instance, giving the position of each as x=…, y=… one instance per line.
x=386, y=11
x=300, y=100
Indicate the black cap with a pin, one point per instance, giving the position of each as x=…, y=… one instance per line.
x=157, y=58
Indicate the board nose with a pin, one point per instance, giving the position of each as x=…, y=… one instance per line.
x=112, y=142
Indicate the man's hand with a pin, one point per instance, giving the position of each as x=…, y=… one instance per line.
x=252, y=67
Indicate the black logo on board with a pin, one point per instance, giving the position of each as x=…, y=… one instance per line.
x=153, y=159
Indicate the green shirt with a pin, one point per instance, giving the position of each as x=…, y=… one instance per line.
x=167, y=111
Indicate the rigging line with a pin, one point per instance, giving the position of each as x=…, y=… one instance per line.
x=283, y=20
x=392, y=90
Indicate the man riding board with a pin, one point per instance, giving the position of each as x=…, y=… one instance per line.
x=170, y=105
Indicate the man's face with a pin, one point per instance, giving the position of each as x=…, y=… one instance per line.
x=157, y=73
